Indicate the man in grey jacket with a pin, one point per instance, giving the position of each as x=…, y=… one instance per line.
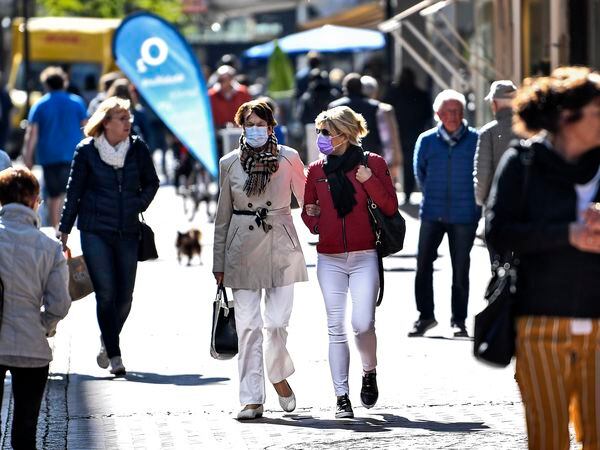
x=494, y=139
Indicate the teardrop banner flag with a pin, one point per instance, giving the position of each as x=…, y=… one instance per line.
x=163, y=68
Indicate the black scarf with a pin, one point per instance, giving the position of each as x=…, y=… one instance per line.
x=341, y=188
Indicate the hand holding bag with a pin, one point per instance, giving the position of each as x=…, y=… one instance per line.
x=224, y=340
x=147, y=246
x=80, y=283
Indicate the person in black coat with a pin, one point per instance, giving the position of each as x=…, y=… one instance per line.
x=112, y=181
x=543, y=209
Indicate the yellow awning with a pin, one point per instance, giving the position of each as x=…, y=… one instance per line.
x=368, y=15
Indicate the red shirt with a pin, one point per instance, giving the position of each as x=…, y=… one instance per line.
x=224, y=109
x=352, y=232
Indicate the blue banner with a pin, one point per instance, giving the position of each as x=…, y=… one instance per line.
x=163, y=68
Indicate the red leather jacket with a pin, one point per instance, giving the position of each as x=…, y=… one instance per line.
x=353, y=232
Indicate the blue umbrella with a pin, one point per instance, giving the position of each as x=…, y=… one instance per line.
x=328, y=38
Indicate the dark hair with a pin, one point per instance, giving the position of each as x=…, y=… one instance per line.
x=260, y=108
x=540, y=102
x=352, y=84
x=119, y=88
x=54, y=78
x=314, y=59
x=18, y=186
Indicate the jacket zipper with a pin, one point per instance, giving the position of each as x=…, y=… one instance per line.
x=120, y=182
x=448, y=196
x=344, y=234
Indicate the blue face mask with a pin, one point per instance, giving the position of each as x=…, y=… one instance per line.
x=256, y=136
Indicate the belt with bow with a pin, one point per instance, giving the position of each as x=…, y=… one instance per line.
x=260, y=215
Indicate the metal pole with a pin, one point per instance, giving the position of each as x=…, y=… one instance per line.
x=26, y=56
x=389, y=43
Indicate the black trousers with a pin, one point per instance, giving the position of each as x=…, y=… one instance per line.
x=28, y=384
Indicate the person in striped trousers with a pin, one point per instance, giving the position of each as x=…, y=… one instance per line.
x=544, y=208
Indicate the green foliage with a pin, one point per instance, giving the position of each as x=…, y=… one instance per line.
x=168, y=9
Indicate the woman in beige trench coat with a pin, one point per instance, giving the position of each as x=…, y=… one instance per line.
x=256, y=248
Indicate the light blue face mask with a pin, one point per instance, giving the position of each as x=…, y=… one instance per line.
x=256, y=136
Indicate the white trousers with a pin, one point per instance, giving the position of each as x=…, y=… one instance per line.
x=249, y=325
x=358, y=272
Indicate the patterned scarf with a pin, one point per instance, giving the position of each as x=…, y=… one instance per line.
x=259, y=164
x=113, y=156
x=453, y=138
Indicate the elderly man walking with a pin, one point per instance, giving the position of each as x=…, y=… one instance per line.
x=443, y=165
x=494, y=139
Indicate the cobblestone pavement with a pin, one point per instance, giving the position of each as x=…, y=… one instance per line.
x=433, y=394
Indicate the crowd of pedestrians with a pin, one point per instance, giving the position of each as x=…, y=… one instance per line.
x=539, y=197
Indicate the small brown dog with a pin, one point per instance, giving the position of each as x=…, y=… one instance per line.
x=188, y=244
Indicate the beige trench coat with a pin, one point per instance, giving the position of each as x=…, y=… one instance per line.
x=249, y=257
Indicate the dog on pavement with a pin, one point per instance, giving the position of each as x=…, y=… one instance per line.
x=188, y=244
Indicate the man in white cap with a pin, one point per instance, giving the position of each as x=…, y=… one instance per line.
x=494, y=139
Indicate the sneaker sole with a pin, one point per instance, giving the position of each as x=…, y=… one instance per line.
x=103, y=361
x=368, y=406
x=344, y=415
x=433, y=325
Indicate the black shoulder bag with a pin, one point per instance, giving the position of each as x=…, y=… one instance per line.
x=223, y=339
x=494, y=337
x=389, y=233
x=147, y=246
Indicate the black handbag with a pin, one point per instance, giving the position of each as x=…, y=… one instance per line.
x=389, y=233
x=495, y=333
x=494, y=337
x=389, y=230
x=147, y=246
x=223, y=340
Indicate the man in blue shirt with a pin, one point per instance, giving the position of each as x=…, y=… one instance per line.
x=53, y=132
x=443, y=165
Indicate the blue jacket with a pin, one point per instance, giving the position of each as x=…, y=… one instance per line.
x=106, y=199
x=445, y=175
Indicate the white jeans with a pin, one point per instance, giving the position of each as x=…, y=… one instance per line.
x=249, y=325
x=357, y=271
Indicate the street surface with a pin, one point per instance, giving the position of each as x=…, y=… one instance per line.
x=433, y=394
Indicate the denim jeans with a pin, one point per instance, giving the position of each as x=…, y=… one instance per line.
x=460, y=238
x=28, y=385
x=112, y=262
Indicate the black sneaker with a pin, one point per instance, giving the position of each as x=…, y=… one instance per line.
x=461, y=329
x=421, y=326
x=343, y=409
x=369, y=392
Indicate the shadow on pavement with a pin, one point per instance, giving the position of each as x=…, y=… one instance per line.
x=372, y=424
x=154, y=378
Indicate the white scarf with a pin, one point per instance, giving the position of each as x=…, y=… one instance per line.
x=113, y=156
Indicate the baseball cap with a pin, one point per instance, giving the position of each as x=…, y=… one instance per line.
x=501, y=89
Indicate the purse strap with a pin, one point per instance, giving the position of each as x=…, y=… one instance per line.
x=371, y=204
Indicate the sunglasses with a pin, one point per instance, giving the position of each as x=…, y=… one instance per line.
x=323, y=131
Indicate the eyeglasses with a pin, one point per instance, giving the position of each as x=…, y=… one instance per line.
x=128, y=119
x=323, y=131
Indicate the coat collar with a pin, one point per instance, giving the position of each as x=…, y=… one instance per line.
x=16, y=212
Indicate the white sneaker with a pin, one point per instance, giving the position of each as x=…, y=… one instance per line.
x=116, y=366
x=250, y=413
x=102, y=358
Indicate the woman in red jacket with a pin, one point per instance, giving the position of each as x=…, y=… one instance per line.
x=336, y=193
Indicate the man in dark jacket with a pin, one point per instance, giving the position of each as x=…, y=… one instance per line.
x=443, y=166
x=413, y=113
x=354, y=98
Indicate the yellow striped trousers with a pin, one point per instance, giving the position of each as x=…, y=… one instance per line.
x=558, y=373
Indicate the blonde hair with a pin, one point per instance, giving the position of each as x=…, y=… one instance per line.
x=344, y=121
x=112, y=105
